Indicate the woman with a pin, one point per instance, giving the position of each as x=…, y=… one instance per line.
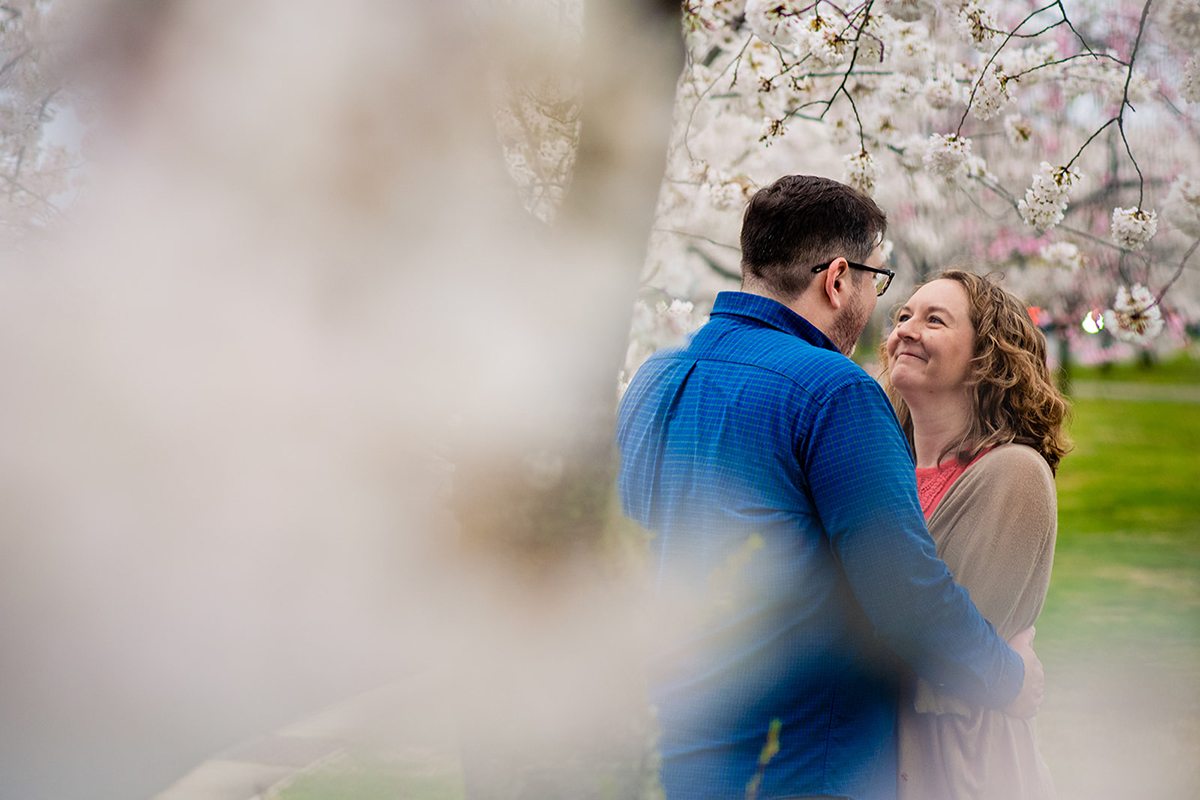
x=966, y=369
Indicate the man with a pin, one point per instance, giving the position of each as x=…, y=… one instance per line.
x=781, y=493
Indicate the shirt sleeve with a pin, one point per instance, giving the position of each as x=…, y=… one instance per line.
x=862, y=483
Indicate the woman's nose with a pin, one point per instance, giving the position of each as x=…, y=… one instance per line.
x=906, y=330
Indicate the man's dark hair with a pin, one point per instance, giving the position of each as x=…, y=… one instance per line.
x=800, y=221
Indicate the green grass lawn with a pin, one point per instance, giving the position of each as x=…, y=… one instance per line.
x=1180, y=368
x=1120, y=632
x=360, y=776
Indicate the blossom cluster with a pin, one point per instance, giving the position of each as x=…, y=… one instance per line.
x=942, y=90
x=861, y=171
x=1135, y=316
x=946, y=154
x=1062, y=254
x=724, y=191
x=1029, y=64
x=1133, y=227
x=781, y=23
x=1182, y=23
x=1189, y=87
x=1182, y=206
x=657, y=326
x=975, y=24
x=538, y=129
x=1046, y=200
x=709, y=17
x=824, y=43
x=1017, y=129
x=991, y=94
x=773, y=21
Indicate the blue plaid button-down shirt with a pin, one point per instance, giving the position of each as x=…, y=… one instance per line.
x=791, y=544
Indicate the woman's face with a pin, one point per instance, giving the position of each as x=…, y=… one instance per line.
x=930, y=349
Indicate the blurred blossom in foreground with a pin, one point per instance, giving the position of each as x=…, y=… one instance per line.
x=301, y=280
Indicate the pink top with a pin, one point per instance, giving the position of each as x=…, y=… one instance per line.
x=934, y=482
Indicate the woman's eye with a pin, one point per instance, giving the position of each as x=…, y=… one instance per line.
x=902, y=317
x=936, y=320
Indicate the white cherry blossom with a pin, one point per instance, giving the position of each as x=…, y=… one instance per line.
x=1063, y=255
x=909, y=10
x=946, y=154
x=1182, y=206
x=899, y=88
x=942, y=91
x=1017, y=129
x=912, y=52
x=1029, y=63
x=976, y=167
x=1189, y=86
x=1135, y=316
x=726, y=192
x=1133, y=227
x=991, y=94
x=823, y=41
x=975, y=24
x=773, y=21
x=1046, y=200
x=1181, y=23
x=875, y=38
x=860, y=171
x=842, y=128
x=1137, y=86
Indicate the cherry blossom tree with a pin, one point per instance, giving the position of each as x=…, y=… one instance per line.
x=1054, y=141
x=35, y=167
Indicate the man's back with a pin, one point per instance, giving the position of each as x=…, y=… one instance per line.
x=780, y=490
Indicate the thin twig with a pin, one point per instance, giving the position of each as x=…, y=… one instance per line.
x=1137, y=43
x=983, y=72
x=1087, y=47
x=698, y=236
x=700, y=97
x=1092, y=238
x=21, y=187
x=715, y=265
x=1178, y=272
x=1089, y=141
x=1060, y=61
x=12, y=62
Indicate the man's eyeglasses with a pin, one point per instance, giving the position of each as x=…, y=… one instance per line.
x=882, y=278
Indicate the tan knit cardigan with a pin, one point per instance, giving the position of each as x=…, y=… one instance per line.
x=995, y=530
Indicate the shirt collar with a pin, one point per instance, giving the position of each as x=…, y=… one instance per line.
x=770, y=312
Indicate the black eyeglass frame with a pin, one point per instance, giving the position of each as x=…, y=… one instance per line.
x=878, y=270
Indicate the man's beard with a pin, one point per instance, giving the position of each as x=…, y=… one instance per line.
x=849, y=323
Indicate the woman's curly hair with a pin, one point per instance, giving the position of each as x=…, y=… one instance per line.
x=1015, y=399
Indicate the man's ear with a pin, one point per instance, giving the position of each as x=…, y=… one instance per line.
x=836, y=282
